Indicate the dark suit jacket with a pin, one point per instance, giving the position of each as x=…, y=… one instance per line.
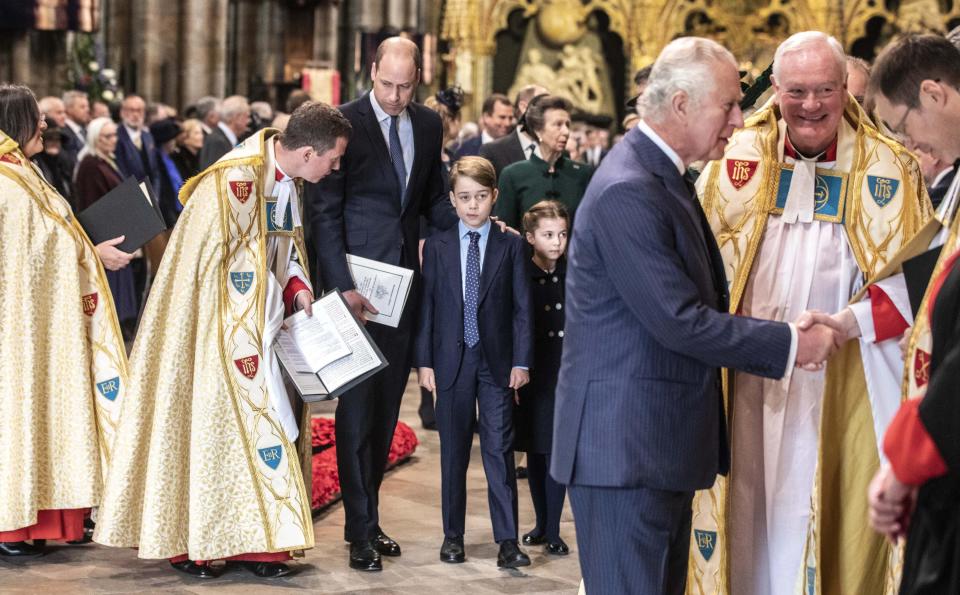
x=215, y=145
x=638, y=399
x=504, y=316
x=71, y=145
x=470, y=147
x=131, y=162
x=503, y=151
x=938, y=191
x=357, y=210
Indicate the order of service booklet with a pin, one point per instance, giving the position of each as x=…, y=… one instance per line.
x=328, y=353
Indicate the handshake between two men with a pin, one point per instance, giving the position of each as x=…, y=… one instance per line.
x=820, y=335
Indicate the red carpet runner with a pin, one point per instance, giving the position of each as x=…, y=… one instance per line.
x=326, y=481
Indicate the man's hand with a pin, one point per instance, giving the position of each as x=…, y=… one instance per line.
x=426, y=379
x=304, y=301
x=847, y=324
x=891, y=504
x=113, y=259
x=503, y=226
x=818, y=337
x=359, y=304
x=518, y=378
x=904, y=343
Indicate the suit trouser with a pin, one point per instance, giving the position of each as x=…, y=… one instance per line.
x=475, y=389
x=366, y=419
x=632, y=540
x=547, y=496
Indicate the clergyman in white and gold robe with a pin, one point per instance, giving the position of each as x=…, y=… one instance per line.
x=208, y=465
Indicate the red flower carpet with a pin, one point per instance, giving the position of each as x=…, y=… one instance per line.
x=326, y=480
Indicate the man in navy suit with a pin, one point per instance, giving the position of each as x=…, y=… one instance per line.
x=518, y=145
x=388, y=178
x=136, y=152
x=474, y=347
x=640, y=423
x=496, y=122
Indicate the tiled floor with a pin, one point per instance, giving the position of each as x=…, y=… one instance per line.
x=410, y=513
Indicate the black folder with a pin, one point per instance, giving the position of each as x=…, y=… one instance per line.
x=124, y=211
x=917, y=272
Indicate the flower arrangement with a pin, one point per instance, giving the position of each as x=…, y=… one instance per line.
x=87, y=72
x=326, y=478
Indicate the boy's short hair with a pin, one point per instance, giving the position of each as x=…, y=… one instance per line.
x=545, y=209
x=477, y=169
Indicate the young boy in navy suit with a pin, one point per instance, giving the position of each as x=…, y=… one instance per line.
x=474, y=347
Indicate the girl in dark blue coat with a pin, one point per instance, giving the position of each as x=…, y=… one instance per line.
x=545, y=226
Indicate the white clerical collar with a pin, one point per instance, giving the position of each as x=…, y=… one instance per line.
x=485, y=138
x=663, y=146
x=230, y=135
x=382, y=115
x=206, y=129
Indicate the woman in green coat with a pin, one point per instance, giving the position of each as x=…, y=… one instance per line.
x=549, y=173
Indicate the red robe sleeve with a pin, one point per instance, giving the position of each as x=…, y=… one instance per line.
x=294, y=286
x=912, y=453
x=887, y=320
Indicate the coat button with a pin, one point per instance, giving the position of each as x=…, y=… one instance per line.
x=547, y=307
x=555, y=279
x=560, y=334
x=542, y=281
x=550, y=334
x=559, y=306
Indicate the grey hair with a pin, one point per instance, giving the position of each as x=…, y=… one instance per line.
x=686, y=64
x=805, y=39
x=233, y=106
x=205, y=105
x=69, y=97
x=954, y=37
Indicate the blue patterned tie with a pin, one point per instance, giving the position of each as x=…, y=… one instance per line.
x=471, y=334
x=396, y=155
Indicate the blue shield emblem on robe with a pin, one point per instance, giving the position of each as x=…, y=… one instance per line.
x=882, y=189
x=811, y=580
x=109, y=388
x=706, y=542
x=271, y=456
x=828, y=194
x=242, y=281
x=287, y=219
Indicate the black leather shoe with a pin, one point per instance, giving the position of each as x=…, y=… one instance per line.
x=452, y=550
x=88, y=527
x=511, y=556
x=522, y=472
x=532, y=538
x=264, y=569
x=196, y=570
x=385, y=545
x=19, y=548
x=363, y=556
x=557, y=548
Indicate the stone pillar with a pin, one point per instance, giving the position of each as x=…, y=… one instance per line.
x=203, y=63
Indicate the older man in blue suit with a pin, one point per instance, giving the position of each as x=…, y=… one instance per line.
x=640, y=422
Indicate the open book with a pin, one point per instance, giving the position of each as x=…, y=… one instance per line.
x=328, y=353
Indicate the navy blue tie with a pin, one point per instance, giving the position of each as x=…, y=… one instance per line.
x=396, y=155
x=471, y=334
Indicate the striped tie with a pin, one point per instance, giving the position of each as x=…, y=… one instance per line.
x=396, y=156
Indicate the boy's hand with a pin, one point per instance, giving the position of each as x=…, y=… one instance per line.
x=426, y=379
x=518, y=378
